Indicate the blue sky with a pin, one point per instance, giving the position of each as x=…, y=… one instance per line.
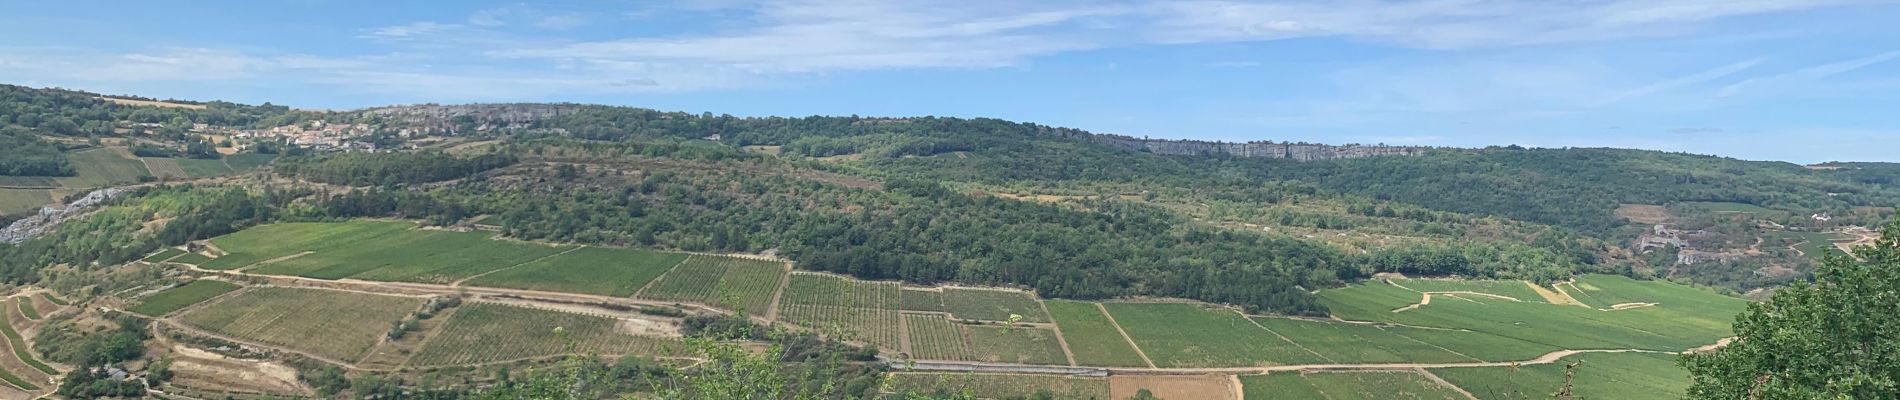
x=1794, y=80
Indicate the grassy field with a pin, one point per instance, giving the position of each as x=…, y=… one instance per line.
x=843, y=308
x=191, y=258
x=1513, y=289
x=1814, y=245
x=1015, y=345
x=1091, y=335
x=1346, y=386
x=727, y=282
x=163, y=255
x=1001, y=386
x=164, y=167
x=266, y=242
x=55, y=300
x=932, y=337
x=15, y=380
x=27, y=310
x=1601, y=376
x=1716, y=206
x=1686, y=317
x=923, y=300
x=168, y=300
x=102, y=167
x=336, y=324
x=1360, y=343
x=242, y=162
x=18, y=343
x=417, y=255
x=486, y=333
x=591, y=270
x=23, y=201
x=992, y=305
x=1190, y=335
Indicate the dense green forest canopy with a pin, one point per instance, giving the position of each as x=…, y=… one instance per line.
x=24, y=154
x=366, y=169
x=74, y=113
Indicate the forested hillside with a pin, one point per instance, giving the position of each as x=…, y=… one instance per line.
x=981, y=201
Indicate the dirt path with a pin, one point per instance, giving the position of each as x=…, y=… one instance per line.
x=270, y=261
x=1131, y=341
x=1547, y=358
x=458, y=282
x=1058, y=329
x=1282, y=337
x=1445, y=383
x=771, y=311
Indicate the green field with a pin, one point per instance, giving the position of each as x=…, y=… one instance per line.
x=1513, y=289
x=18, y=343
x=1376, y=385
x=266, y=242
x=1814, y=245
x=1361, y=343
x=23, y=201
x=482, y=333
x=55, y=300
x=27, y=310
x=191, y=258
x=1686, y=317
x=163, y=255
x=934, y=338
x=373, y=250
x=923, y=300
x=1601, y=376
x=1017, y=345
x=168, y=300
x=1716, y=206
x=992, y=305
x=242, y=162
x=16, y=381
x=1091, y=335
x=1186, y=335
x=843, y=308
x=590, y=270
x=164, y=167
x=1001, y=386
x=102, y=167
x=727, y=282
x=335, y=324
x=33, y=181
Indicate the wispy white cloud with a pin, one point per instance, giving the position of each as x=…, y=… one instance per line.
x=1808, y=74
x=1686, y=80
x=408, y=31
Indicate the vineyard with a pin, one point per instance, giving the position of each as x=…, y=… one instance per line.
x=1015, y=345
x=726, y=282
x=1361, y=343
x=1001, y=386
x=844, y=308
x=923, y=300
x=590, y=270
x=1195, y=335
x=163, y=255
x=427, y=256
x=992, y=305
x=266, y=242
x=481, y=333
x=335, y=324
x=932, y=337
x=181, y=296
x=1520, y=290
x=27, y=310
x=1633, y=376
x=1351, y=385
x=1091, y=335
x=18, y=344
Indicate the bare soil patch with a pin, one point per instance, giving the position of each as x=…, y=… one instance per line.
x=1643, y=213
x=1174, y=387
x=198, y=368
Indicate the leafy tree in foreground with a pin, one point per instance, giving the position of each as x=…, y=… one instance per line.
x=1835, y=338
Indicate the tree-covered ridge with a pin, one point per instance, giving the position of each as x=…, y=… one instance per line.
x=24, y=154
x=74, y=113
x=368, y=169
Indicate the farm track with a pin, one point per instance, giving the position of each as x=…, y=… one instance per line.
x=968, y=366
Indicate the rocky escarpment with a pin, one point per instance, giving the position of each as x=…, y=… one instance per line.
x=51, y=216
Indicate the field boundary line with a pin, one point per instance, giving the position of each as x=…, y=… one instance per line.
x=1240, y=389
x=1243, y=315
x=771, y=312
x=458, y=282
x=1447, y=384
x=1058, y=328
x=424, y=343
x=264, y=262
x=174, y=324
x=656, y=280
x=384, y=339
x=903, y=335
x=1440, y=347
x=207, y=302
x=1124, y=332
